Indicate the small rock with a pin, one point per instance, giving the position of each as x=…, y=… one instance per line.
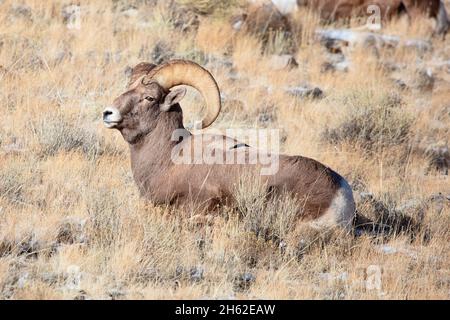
x=282, y=246
x=130, y=12
x=13, y=148
x=237, y=22
x=401, y=84
x=196, y=274
x=422, y=80
x=438, y=202
x=265, y=117
x=305, y=92
x=365, y=196
x=73, y=278
x=82, y=295
x=425, y=80
x=392, y=66
x=200, y=243
x=234, y=76
x=71, y=15
x=439, y=158
x=22, y=281
x=385, y=249
x=335, y=62
x=411, y=206
x=420, y=46
x=244, y=281
x=71, y=231
x=146, y=275
x=339, y=38
x=49, y=277
x=115, y=293
x=21, y=11
x=29, y=247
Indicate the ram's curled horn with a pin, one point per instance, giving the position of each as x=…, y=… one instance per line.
x=181, y=72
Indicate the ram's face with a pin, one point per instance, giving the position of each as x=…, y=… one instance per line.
x=135, y=113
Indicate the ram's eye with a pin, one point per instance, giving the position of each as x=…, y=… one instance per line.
x=148, y=98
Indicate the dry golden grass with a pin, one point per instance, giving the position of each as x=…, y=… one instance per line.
x=72, y=224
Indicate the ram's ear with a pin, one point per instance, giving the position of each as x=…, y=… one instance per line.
x=173, y=97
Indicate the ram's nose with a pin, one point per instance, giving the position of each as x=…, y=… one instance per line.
x=111, y=117
x=107, y=113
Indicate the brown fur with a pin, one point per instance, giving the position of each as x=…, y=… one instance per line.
x=149, y=131
x=344, y=9
x=261, y=18
x=140, y=70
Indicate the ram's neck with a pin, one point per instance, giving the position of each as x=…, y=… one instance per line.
x=151, y=156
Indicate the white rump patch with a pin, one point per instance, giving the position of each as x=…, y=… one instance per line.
x=341, y=211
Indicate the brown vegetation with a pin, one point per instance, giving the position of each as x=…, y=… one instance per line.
x=72, y=223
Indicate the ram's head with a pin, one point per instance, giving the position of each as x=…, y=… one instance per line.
x=150, y=93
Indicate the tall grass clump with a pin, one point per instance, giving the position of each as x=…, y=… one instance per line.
x=103, y=208
x=59, y=134
x=15, y=178
x=208, y=7
x=371, y=121
x=267, y=214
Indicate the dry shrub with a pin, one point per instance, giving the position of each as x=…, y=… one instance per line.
x=371, y=121
x=387, y=219
x=129, y=249
x=15, y=178
x=167, y=250
x=104, y=223
x=279, y=42
x=11, y=183
x=438, y=157
x=232, y=250
x=70, y=231
x=208, y=7
x=58, y=134
x=27, y=246
x=268, y=215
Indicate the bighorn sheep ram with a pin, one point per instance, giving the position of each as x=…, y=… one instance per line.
x=342, y=9
x=148, y=114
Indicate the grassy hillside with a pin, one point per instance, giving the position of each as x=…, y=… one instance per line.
x=72, y=224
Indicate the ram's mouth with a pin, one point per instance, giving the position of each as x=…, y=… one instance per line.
x=111, y=117
x=110, y=124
